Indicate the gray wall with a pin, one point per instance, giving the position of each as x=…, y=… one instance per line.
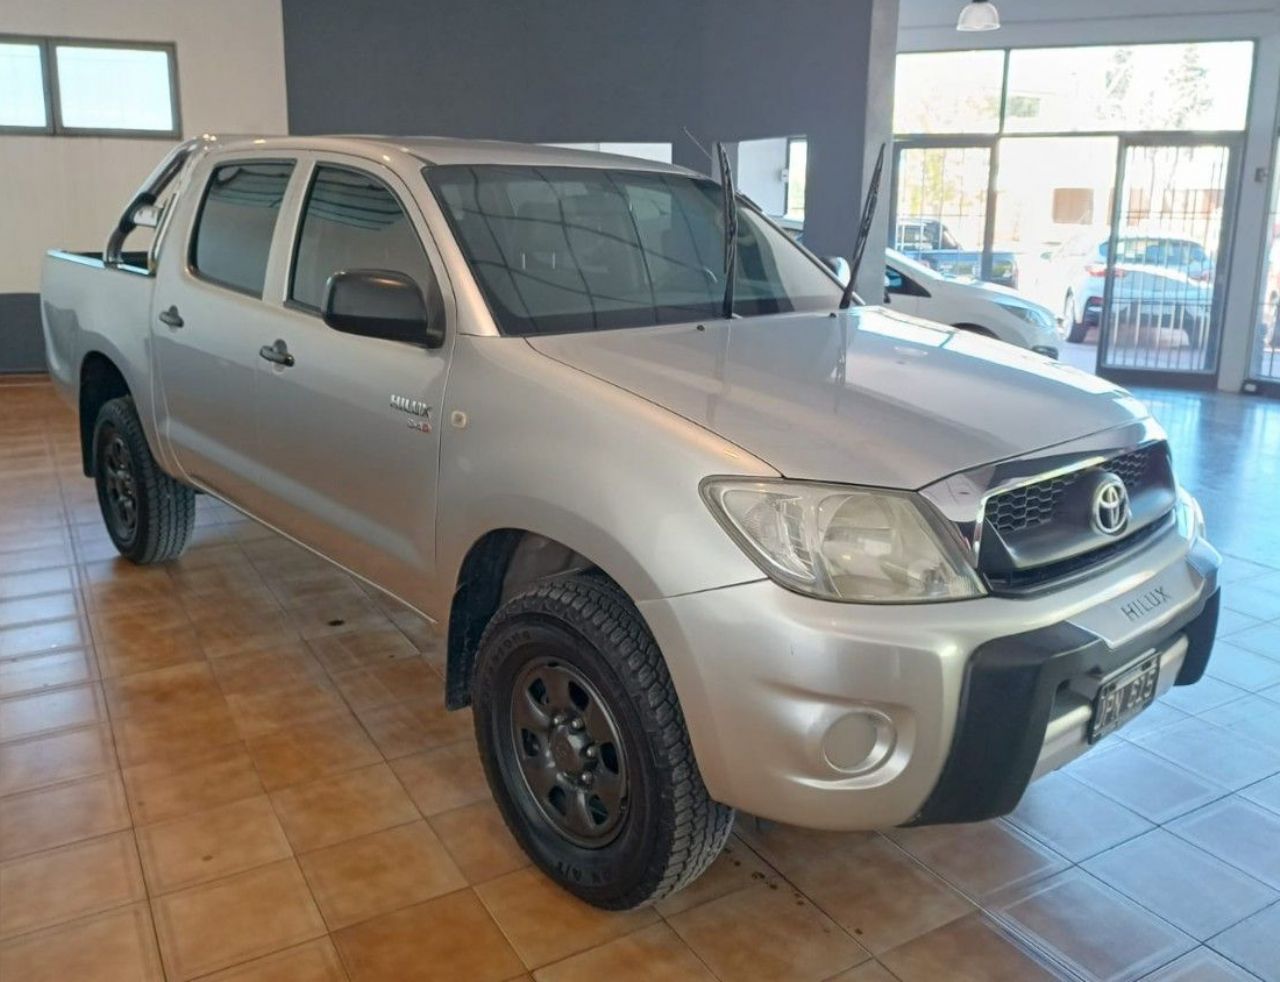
x=570, y=70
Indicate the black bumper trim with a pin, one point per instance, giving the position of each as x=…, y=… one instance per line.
x=1008, y=695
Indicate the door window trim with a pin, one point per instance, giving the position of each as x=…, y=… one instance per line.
x=215, y=165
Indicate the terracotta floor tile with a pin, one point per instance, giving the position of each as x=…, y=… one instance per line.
x=45, y=760
x=232, y=629
x=981, y=858
x=210, y=844
x=143, y=637
x=29, y=610
x=1201, y=965
x=404, y=728
x=304, y=753
x=451, y=937
x=971, y=949
x=768, y=931
x=271, y=668
x=444, y=779
x=402, y=680
x=315, y=961
x=879, y=894
x=1182, y=884
x=56, y=709
x=345, y=806
x=175, y=689
x=62, y=814
x=267, y=710
x=1073, y=819
x=1237, y=832
x=229, y=575
x=29, y=584
x=115, y=584
x=479, y=841
x=205, y=778
x=337, y=614
x=34, y=673
x=219, y=924
x=361, y=649
x=545, y=924
x=313, y=586
x=39, y=639
x=84, y=878
x=871, y=971
x=379, y=873
x=1089, y=928
x=1144, y=783
x=112, y=947
x=175, y=735
x=652, y=953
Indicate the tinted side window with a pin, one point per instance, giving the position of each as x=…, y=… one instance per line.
x=352, y=221
x=238, y=217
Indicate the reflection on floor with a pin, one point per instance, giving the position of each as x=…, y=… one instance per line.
x=239, y=763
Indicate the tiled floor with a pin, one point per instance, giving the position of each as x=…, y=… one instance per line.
x=237, y=767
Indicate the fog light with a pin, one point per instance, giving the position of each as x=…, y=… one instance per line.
x=860, y=741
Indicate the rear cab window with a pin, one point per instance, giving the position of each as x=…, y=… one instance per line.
x=231, y=242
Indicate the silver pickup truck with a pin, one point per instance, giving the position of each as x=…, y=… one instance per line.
x=834, y=567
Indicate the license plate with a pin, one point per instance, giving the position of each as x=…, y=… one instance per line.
x=1123, y=696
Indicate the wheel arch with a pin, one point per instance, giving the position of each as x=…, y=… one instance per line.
x=100, y=381
x=498, y=565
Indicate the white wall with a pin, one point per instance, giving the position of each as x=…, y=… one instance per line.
x=929, y=25
x=68, y=190
x=761, y=167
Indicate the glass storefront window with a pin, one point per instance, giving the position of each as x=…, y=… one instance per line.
x=1129, y=88
x=948, y=92
x=1266, y=340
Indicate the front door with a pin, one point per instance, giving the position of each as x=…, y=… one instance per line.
x=349, y=426
x=207, y=334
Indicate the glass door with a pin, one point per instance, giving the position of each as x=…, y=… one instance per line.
x=1264, y=364
x=940, y=206
x=1154, y=289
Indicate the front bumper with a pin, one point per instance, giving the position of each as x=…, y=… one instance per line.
x=843, y=717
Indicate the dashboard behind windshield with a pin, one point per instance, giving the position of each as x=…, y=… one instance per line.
x=564, y=249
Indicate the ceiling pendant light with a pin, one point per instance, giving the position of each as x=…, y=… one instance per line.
x=980, y=15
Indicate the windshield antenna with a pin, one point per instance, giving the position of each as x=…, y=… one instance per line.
x=730, y=229
x=694, y=140
x=864, y=230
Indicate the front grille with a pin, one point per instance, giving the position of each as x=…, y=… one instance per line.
x=1020, y=580
x=1036, y=504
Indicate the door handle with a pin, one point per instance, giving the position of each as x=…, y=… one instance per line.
x=277, y=353
x=171, y=317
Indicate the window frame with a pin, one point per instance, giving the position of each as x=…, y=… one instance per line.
x=194, y=234
x=300, y=221
x=54, y=126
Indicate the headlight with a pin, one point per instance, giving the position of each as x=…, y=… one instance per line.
x=1190, y=516
x=842, y=543
x=1035, y=316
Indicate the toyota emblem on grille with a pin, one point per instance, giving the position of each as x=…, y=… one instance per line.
x=1110, y=505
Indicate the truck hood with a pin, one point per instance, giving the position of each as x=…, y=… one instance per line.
x=865, y=396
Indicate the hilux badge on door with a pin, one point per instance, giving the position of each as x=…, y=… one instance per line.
x=1110, y=505
x=414, y=407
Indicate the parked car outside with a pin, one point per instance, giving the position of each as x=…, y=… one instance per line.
x=1160, y=281
x=984, y=308
x=929, y=241
x=690, y=548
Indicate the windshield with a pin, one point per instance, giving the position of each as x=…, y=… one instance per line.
x=561, y=249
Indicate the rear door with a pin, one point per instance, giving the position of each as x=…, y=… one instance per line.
x=209, y=320
x=350, y=429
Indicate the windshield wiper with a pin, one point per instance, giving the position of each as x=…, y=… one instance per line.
x=864, y=230
x=730, y=201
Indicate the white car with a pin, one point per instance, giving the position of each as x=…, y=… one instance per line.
x=983, y=308
x=1160, y=281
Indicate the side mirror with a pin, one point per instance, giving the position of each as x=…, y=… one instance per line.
x=840, y=266
x=379, y=303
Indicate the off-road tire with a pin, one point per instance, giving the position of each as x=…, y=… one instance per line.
x=164, y=510
x=672, y=829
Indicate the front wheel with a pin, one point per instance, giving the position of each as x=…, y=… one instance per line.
x=585, y=747
x=148, y=514
x=1077, y=331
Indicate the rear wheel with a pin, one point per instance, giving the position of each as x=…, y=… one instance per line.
x=585, y=747
x=1077, y=331
x=148, y=514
